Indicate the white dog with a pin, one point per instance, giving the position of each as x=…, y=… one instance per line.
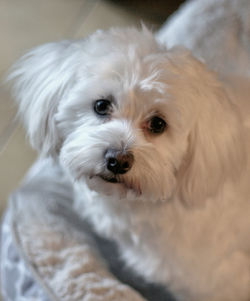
x=157, y=151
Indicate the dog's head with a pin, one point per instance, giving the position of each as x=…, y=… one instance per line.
x=130, y=117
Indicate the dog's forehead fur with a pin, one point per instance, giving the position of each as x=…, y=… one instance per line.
x=131, y=71
x=122, y=41
x=141, y=74
x=137, y=78
x=136, y=88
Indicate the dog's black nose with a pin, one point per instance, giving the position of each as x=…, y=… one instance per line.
x=119, y=162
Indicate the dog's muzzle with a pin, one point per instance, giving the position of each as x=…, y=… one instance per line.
x=118, y=161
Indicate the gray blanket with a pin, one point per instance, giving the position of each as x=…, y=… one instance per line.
x=50, y=253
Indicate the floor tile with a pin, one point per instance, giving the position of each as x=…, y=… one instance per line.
x=15, y=159
x=105, y=15
x=7, y=111
x=27, y=23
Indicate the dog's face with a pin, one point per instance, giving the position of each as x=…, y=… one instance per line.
x=130, y=118
x=124, y=137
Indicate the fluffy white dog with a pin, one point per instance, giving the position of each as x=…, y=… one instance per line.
x=157, y=151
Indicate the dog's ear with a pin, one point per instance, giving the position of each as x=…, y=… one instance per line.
x=216, y=150
x=40, y=80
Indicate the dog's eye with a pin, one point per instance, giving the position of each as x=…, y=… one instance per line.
x=102, y=107
x=157, y=125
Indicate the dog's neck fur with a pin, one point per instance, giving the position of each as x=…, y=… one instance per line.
x=185, y=250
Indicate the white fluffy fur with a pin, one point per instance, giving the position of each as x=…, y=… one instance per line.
x=181, y=214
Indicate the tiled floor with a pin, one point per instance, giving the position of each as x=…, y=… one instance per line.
x=23, y=25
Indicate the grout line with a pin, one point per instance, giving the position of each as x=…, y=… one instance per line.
x=7, y=135
x=87, y=7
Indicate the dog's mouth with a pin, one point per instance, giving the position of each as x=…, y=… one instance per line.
x=120, y=182
x=117, y=180
x=110, y=179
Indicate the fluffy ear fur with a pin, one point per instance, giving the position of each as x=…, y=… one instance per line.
x=41, y=79
x=216, y=149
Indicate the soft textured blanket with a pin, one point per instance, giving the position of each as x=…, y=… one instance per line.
x=49, y=253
